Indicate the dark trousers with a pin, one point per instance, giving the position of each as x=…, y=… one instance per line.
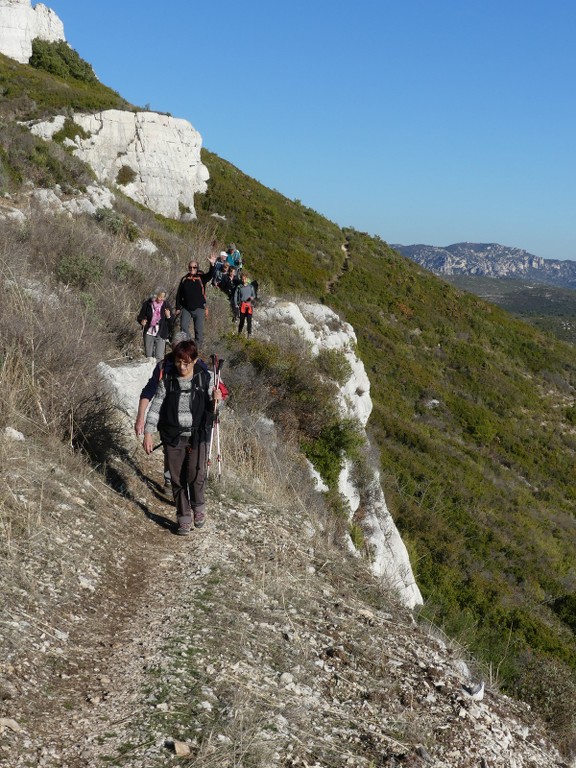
x=187, y=467
x=245, y=316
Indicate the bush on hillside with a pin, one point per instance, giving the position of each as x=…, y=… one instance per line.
x=25, y=157
x=125, y=175
x=59, y=59
x=70, y=130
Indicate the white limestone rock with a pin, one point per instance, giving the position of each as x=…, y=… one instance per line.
x=53, y=201
x=323, y=329
x=13, y=434
x=161, y=152
x=20, y=23
x=126, y=382
x=12, y=214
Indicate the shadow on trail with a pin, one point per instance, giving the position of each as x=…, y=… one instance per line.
x=116, y=480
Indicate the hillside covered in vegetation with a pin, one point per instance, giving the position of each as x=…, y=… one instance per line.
x=474, y=419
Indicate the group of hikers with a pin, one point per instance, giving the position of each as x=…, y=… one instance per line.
x=158, y=319
x=182, y=397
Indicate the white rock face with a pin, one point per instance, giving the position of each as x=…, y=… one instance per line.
x=325, y=330
x=55, y=202
x=125, y=384
x=20, y=24
x=162, y=153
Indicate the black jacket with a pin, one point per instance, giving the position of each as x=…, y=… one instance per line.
x=191, y=293
x=165, y=324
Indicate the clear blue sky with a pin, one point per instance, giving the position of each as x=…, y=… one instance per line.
x=417, y=120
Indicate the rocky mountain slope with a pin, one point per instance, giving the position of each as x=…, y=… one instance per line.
x=491, y=260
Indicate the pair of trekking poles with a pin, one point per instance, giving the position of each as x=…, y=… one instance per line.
x=216, y=367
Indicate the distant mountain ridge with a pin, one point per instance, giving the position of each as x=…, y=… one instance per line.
x=491, y=260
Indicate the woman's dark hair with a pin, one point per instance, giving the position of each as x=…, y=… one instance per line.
x=186, y=350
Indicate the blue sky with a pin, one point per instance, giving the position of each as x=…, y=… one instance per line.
x=419, y=121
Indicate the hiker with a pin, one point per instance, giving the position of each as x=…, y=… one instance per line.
x=163, y=367
x=156, y=319
x=243, y=298
x=228, y=283
x=191, y=298
x=219, y=266
x=182, y=410
x=233, y=257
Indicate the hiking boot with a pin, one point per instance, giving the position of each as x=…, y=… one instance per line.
x=183, y=529
x=199, y=519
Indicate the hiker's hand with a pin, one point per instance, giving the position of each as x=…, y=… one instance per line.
x=212, y=258
x=217, y=394
x=166, y=312
x=143, y=323
x=139, y=426
x=147, y=443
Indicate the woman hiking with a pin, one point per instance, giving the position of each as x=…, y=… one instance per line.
x=156, y=319
x=182, y=411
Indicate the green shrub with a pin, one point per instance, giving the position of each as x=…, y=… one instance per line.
x=59, y=59
x=336, y=441
x=70, y=130
x=125, y=175
x=110, y=220
x=357, y=536
x=334, y=364
x=79, y=270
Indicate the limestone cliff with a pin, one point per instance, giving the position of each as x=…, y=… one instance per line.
x=154, y=158
x=323, y=329
x=20, y=23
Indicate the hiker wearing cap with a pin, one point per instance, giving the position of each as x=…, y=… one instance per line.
x=243, y=301
x=182, y=411
x=233, y=257
x=191, y=298
x=156, y=319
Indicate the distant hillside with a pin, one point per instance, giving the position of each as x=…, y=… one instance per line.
x=550, y=308
x=491, y=260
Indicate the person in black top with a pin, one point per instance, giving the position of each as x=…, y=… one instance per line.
x=191, y=298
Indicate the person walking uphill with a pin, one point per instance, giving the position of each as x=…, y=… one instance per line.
x=156, y=319
x=243, y=298
x=191, y=298
x=182, y=410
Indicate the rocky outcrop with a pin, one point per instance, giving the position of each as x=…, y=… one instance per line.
x=153, y=158
x=20, y=23
x=323, y=329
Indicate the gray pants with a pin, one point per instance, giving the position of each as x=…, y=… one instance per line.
x=195, y=316
x=188, y=472
x=154, y=346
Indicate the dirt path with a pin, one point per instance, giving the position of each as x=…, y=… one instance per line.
x=252, y=642
x=96, y=685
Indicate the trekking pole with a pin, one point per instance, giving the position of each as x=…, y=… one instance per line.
x=218, y=454
x=213, y=358
x=216, y=365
